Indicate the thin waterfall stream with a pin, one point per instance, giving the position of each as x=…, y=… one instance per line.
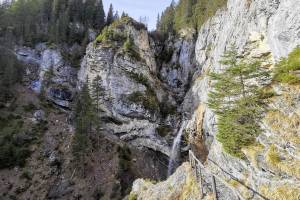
x=175, y=153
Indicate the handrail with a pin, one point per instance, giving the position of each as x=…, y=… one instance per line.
x=195, y=161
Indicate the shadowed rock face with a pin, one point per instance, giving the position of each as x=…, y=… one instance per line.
x=61, y=94
x=39, y=61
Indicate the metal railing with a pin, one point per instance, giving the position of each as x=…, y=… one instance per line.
x=198, y=169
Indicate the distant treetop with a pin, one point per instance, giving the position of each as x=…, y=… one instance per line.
x=187, y=14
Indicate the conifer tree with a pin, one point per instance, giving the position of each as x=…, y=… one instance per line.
x=110, y=15
x=158, y=21
x=10, y=73
x=99, y=15
x=166, y=24
x=287, y=70
x=84, y=116
x=124, y=14
x=238, y=100
x=97, y=93
x=116, y=16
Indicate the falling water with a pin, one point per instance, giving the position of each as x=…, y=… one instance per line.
x=174, y=157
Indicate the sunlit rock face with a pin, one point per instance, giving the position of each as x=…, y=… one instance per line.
x=258, y=29
x=181, y=185
x=133, y=97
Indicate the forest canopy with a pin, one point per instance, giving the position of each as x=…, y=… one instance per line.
x=32, y=21
x=187, y=14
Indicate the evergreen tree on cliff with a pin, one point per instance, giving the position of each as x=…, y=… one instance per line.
x=238, y=99
x=97, y=93
x=84, y=116
x=166, y=24
x=110, y=15
x=99, y=15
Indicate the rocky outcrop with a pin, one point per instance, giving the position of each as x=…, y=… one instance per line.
x=261, y=29
x=135, y=102
x=178, y=62
x=181, y=185
x=47, y=70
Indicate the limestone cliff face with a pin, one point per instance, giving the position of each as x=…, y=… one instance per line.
x=48, y=70
x=138, y=105
x=270, y=30
x=179, y=64
x=266, y=29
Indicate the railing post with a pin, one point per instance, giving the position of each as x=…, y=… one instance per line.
x=214, y=187
x=201, y=183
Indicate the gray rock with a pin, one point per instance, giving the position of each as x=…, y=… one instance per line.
x=59, y=190
x=265, y=28
x=123, y=76
x=39, y=115
x=40, y=60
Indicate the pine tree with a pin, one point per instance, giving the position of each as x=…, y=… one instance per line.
x=166, y=24
x=10, y=73
x=110, y=15
x=84, y=117
x=124, y=14
x=116, y=16
x=158, y=21
x=287, y=70
x=99, y=15
x=238, y=100
x=97, y=93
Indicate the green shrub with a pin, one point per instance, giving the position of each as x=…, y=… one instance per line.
x=132, y=196
x=29, y=107
x=26, y=175
x=148, y=100
x=130, y=48
x=124, y=160
x=167, y=109
x=139, y=78
x=15, y=140
x=128, y=44
x=166, y=55
x=109, y=35
x=105, y=36
x=285, y=70
x=163, y=130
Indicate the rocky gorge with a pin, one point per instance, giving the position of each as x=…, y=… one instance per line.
x=268, y=29
x=152, y=91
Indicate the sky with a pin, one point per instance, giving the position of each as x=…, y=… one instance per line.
x=138, y=8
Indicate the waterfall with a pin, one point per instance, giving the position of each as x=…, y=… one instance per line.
x=175, y=153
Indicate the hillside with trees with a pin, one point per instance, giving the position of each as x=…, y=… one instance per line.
x=187, y=14
x=59, y=21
